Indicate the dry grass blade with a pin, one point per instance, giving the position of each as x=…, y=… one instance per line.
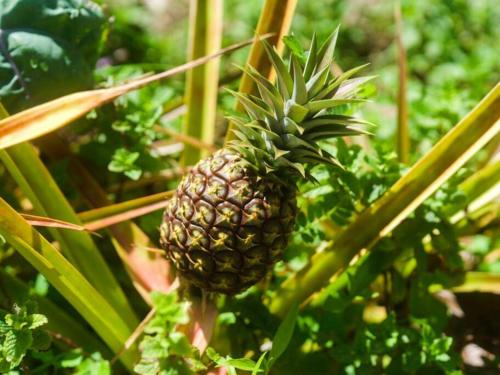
x=50, y=116
x=124, y=216
x=118, y=208
x=47, y=222
x=186, y=139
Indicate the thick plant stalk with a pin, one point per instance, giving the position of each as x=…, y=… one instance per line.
x=483, y=282
x=424, y=178
x=403, y=137
x=205, y=37
x=481, y=220
x=275, y=17
x=478, y=184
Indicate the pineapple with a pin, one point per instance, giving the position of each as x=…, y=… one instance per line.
x=232, y=214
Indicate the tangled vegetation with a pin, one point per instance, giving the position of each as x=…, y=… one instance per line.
x=371, y=245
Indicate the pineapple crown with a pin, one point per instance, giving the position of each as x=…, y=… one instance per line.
x=289, y=117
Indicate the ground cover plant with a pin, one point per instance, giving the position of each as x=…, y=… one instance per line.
x=234, y=187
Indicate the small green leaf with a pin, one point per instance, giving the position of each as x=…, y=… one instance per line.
x=311, y=58
x=179, y=344
x=294, y=46
x=71, y=359
x=240, y=363
x=325, y=54
x=15, y=345
x=299, y=93
x=147, y=368
x=257, y=368
x=124, y=162
x=212, y=354
x=285, y=81
x=38, y=320
x=4, y=327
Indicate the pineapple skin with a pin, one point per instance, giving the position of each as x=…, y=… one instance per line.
x=225, y=227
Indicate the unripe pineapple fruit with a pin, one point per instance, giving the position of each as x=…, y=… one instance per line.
x=232, y=214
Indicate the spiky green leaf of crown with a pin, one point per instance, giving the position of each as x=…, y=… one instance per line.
x=289, y=117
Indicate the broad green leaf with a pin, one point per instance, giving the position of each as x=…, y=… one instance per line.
x=49, y=49
x=46, y=69
x=423, y=179
x=38, y=321
x=80, y=22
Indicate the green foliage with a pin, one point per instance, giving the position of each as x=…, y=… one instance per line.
x=20, y=332
x=86, y=365
x=231, y=364
x=124, y=131
x=405, y=269
x=396, y=349
x=72, y=361
x=381, y=314
x=163, y=349
x=166, y=350
x=48, y=49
